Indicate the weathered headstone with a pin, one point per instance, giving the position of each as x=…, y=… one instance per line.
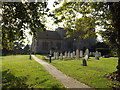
x=73, y=54
x=93, y=54
x=87, y=52
x=50, y=52
x=90, y=53
x=77, y=54
x=65, y=54
x=69, y=56
x=86, y=57
x=97, y=55
x=81, y=53
x=57, y=55
x=61, y=56
x=84, y=62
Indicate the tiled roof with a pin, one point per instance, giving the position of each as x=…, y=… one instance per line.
x=48, y=35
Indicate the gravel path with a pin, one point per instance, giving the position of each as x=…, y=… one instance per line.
x=67, y=81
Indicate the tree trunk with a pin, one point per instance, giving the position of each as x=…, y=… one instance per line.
x=115, y=10
x=118, y=66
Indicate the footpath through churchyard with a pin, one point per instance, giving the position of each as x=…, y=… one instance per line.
x=67, y=81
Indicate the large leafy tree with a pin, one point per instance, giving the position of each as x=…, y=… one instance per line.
x=104, y=14
x=17, y=17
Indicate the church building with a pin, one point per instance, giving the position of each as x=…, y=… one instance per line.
x=56, y=41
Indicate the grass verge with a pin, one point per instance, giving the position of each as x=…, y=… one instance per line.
x=93, y=74
x=20, y=72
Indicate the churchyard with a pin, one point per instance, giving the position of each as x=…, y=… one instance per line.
x=91, y=68
x=88, y=67
x=20, y=72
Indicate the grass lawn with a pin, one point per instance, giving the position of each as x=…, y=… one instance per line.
x=20, y=72
x=93, y=74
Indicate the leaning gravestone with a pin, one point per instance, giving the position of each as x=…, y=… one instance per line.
x=86, y=57
x=77, y=54
x=65, y=54
x=69, y=56
x=81, y=53
x=61, y=56
x=97, y=55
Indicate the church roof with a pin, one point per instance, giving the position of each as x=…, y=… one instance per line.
x=49, y=35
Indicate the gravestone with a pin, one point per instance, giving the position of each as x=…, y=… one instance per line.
x=81, y=53
x=73, y=54
x=50, y=52
x=57, y=55
x=77, y=54
x=93, y=54
x=87, y=52
x=69, y=56
x=86, y=57
x=84, y=62
x=65, y=54
x=61, y=56
x=97, y=55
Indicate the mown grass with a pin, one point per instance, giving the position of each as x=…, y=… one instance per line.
x=20, y=72
x=93, y=74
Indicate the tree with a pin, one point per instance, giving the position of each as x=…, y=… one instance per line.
x=105, y=14
x=18, y=17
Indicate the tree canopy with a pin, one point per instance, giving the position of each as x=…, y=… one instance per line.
x=104, y=14
x=18, y=17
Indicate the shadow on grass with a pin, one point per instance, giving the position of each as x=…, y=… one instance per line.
x=10, y=81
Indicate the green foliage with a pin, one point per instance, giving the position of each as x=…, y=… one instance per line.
x=20, y=72
x=93, y=14
x=93, y=74
x=18, y=17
